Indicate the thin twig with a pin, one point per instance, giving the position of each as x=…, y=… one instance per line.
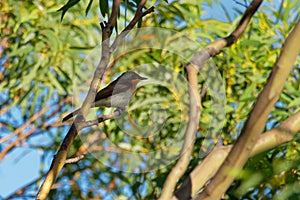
x=241, y=4
x=138, y=15
x=103, y=118
x=203, y=91
x=74, y=159
x=79, y=121
x=25, y=125
x=22, y=137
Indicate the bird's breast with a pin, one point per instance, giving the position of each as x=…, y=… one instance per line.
x=119, y=100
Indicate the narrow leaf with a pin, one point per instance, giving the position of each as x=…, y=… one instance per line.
x=104, y=7
x=88, y=7
x=66, y=7
x=295, y=102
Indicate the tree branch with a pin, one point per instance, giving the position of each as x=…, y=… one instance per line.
x=79, y=122
x=198, y=60
x=256, y=120
x=138, y=15
x=23, y=136
x=103, y=118
x=19, y=130
x=188, y=145
x=270, y=139
x=215, y=47
x=74, y=159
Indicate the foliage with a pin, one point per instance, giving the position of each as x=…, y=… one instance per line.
x=45, y=52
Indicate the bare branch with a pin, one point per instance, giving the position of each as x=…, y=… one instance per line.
x=107, y=28
x=211, y=164
x=215, y=47
x=103, y=118
x=25, y=125
x=198, y=60
x=74, y=159
x=253, y=7
x=190, y=133
x=138, y=15
x=79, y=121
x=19, y=131
x=257, y=118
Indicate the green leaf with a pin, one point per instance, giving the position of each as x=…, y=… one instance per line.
x=21, y=51
x=26, y=80
x=52, y=39
x=53, y=80
x=251, y=42
x=21, y=101
x=139, y=25
x=227, y=14
x=29, y=102
x=104, y=7
x=88, y=7
x=148, y=101
x=295, y=102
x=229, y=109
x=66, y=7
x=36, y=96
x=291, y=89
x=286, y=97
x=247, y=93
x=39, y=46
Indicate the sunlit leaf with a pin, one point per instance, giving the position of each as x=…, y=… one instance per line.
x=295, y=102
x=88, y=7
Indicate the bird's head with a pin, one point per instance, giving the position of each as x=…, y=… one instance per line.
x=131, y=76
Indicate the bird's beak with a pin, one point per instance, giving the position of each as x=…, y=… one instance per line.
x=143, y=78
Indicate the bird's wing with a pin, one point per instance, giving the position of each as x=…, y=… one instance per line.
x=69, y=116
x=113, y=88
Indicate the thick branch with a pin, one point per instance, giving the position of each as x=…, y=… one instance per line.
x=211, y=164
x=109, y=26
x=198, y=60
x=256, y=120
x=187, y=149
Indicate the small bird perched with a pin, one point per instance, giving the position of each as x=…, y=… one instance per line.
x=117, y=94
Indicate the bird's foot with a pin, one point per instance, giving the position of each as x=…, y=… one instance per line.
x=120, y=110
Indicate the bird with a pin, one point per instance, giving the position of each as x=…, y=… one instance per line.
x=117, y=94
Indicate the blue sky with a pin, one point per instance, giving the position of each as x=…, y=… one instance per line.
x=18, y=168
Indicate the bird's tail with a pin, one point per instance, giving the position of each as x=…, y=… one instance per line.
x=69, y=116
